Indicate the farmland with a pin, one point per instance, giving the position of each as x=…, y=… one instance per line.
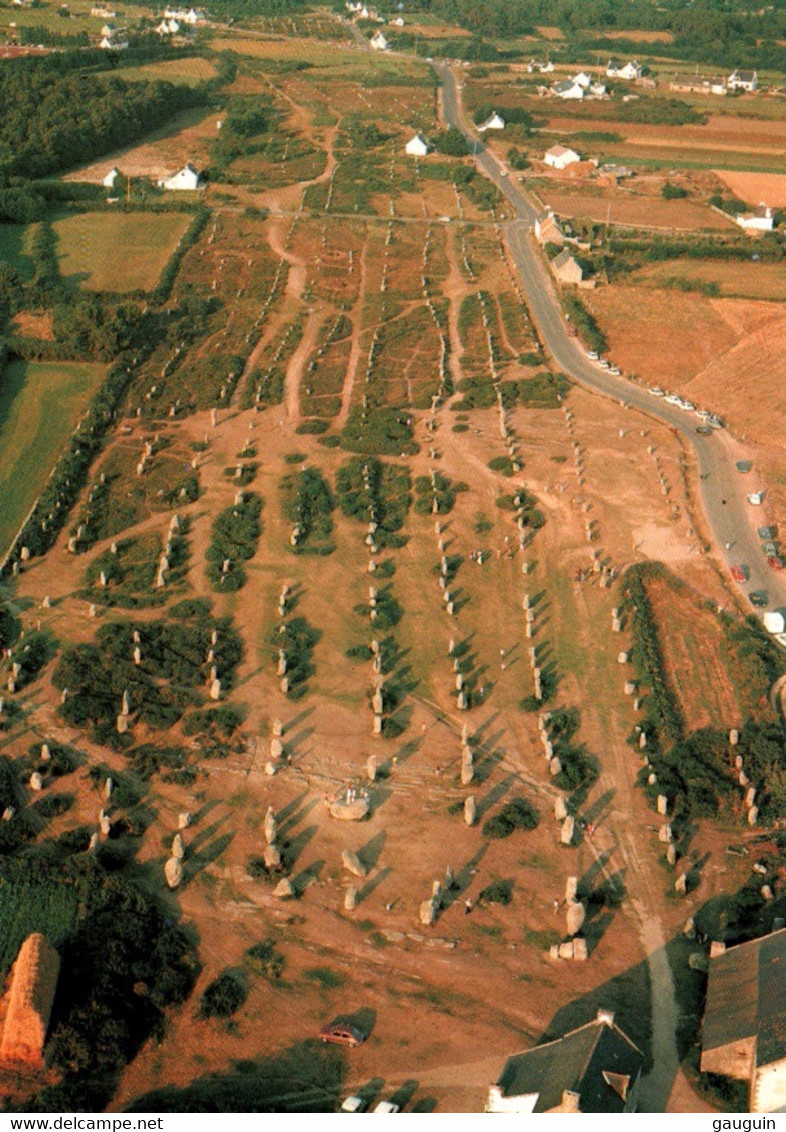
x=40, y=403
x=347, y=530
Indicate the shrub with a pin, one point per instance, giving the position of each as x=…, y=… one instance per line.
x=498, y=892
x=224, y=996
x=265, y=960
x=518, y=813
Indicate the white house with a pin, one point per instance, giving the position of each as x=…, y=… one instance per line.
x=183, y=15
x=168, y=27
x=583, y=79
x=760, y=220
x=417, y=146
x=185, y=180
x=114, y=42
x=110, y=180
x=398, y=22
x=492, y=123
x=378, y=42
x=568, y=88
x=547, y=229
x=629, y=71
x=598, y=90
x=560, y=157
x=743, y=80
x=595, y=1068
x=544, y=68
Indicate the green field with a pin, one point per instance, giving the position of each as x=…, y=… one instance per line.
x=15, y=241
x=117, y=251
x=40, y=403
x=189, y=72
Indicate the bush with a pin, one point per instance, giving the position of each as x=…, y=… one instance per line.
x=498, y=892
x=673, y=192
x=224, y=996
x=518, y=813
x=263, y=959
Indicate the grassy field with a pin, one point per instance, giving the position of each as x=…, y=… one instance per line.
x=15, y=240
x=117, y=251
x=40, y=403
x=189, y=72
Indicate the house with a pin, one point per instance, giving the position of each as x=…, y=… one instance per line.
x=492, y=123
x=547, y=229
x=168, y=27
x=184, y=15
x=699, y=84
x=595, y=1068
x=544, y=68
x=761, y=219
x=744, y=1028
x=583, y=79
x=29, y=1002
x=597, y=90
x=629, y=71
x=568, y=88
x=417, y=146
x=378, y=42
x=185, y=180
x=110, y=180
x=115, y=42
x=743, y=80
x=566, y=268
x=559, y=157
x=398, y=22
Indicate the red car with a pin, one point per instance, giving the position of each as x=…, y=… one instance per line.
x=341, y=1034
x=738, y=573
x=774, y=562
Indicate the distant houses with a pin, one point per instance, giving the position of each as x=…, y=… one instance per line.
x=113, y=39
x=189, y=16
x=595, y=1068
x=168, y=27
x=568, y=89
x=762, y=219
x=629, y=71
x=417, y=146
x=699, y=84
x=544, y=68
x=744, y=1028
x=493, y=122
x=560, y=157
x=743, y=80
x=186, y=179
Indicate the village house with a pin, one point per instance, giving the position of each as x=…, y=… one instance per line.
x=379, y=43
x=168, y=27
x=185, y=180
x=566, y=268
x=569, y=89
x=744, y=1028
x=493, y=122
x=743, y=80
x=547, y=229
x=559, y=157
x=29, y=1002
x=629, y=71
x=762, y=219
x=544, y=68
x=184, y=16
x=699, y=84
x=110, y=180
x=595, y=1068
x=417, y=146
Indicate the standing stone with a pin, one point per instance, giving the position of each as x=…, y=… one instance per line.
x=575, y=914
x=284, y=890
x=470, y=810
x=278, y=728
x=371, y=768
x=353, y=863
x=271, y=826
x=215, y=690
x=663, y=805
x=580, y=951
x=427, y=913
x=753, y=815
x=664, y=833
x=173, y=871
x=272, y=857
x=734, y=737
x=681, y=884
x=36, y=781
x=184, y=820
x=560, y=809
x=276, y=748
x=178, y=848
x=671, y=853
x=350, y=899
x=566, y=833
x=571, y=888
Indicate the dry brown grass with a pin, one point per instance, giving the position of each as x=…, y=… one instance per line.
x=767, y=188
x=634, y=211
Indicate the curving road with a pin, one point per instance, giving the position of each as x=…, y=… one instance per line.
x=723, y=490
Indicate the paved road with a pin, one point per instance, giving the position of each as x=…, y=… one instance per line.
x=723, y=491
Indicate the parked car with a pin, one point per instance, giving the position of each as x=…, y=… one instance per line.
x=739, y=573
x=673, y=399
x=604, y=363
x=655, y=391
x=767, y=532
x=615, y=371
x=687, y=406
x=774, y=562
x=759, y=598
x=769, y=548
x=386, y=1106
x=341, y=1034
x=593, y=355
x=704, y=430
x=755, y=498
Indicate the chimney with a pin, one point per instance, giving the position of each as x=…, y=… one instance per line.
x=606, y=1016
x=570, y=1101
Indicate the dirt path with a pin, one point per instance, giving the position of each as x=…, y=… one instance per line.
x=297, y=364
x=454, y=289
x=355, y=348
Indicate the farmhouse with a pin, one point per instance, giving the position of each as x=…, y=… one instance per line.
x=544, y=68
x=494, y=122
x=743, y=80
x=744, y=1029
x=113, y=40
x=761, y=219
x=183, y=15
x=595, y=1068
x=547, y=230
x=699, y=84
x=30, y=998
x=379, y=43
x=110, y=180
x=566, y=268
x=559, y=157
x=168, y=27
x=568, y=88
x=417, y=146
x=185, y=180
x=628, y=71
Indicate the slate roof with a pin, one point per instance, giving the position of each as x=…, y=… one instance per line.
x=746, y=997
x=590, y=1061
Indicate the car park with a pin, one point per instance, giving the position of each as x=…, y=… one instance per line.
x=341, y=1034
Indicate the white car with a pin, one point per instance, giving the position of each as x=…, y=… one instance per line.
x=755, y=498
x=353, y=1104
x=655, y=391
x=593, y=355
x=687, y=406
x=386, y=1106
x=673, y=399
x=703, y=415
x=604, y=364
x=615, y=371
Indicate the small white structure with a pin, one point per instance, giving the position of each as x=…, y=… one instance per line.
x=185, y=180
x=114, y=42
x=760, y=220
x=398, y=22
x=547, y=229
x=110, y=180
x=184, y=15
x=168, y=27
x=495, y=122
x=417, y=146
x=583, y=79
x=560, y=157
x=379, y=43
x=743, y=80
x=568, y=89
x=629, y=71
x=544, y=68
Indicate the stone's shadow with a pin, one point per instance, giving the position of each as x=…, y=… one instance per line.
x=373, y=884
x=369, y=854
